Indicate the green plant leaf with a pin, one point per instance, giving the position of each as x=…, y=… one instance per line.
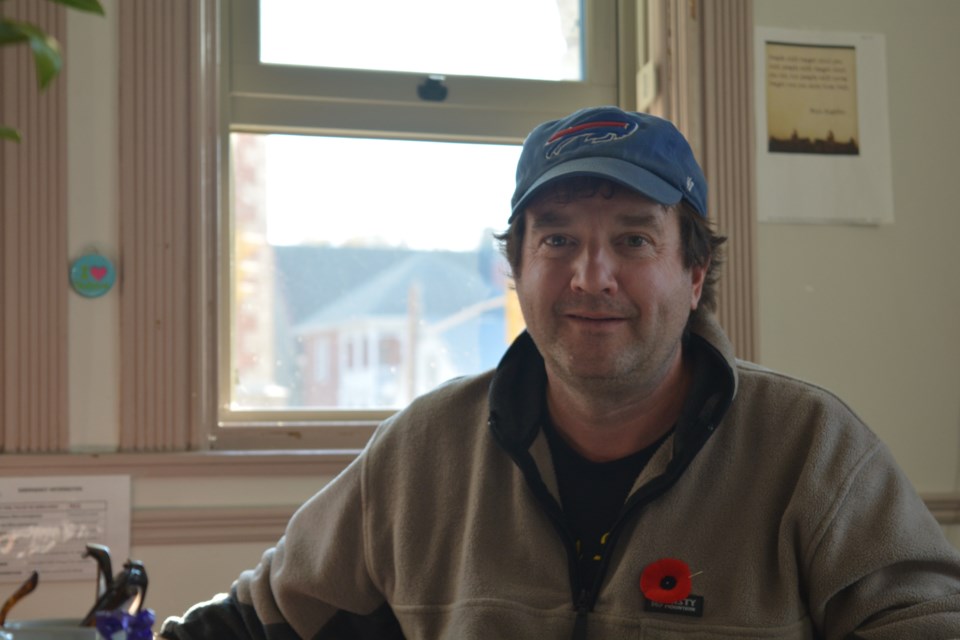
x=10, y=33
x=46, y=56
x=6, y=133
x=90, y=6
x=46, y=49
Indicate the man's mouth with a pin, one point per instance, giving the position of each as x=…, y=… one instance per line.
x=593, y=317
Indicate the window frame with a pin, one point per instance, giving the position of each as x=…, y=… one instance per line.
x=260, y=98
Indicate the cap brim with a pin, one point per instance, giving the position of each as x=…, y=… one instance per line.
x=625, y=173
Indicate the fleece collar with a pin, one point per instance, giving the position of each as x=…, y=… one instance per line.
x=519, y=384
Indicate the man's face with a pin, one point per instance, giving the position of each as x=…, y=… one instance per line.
x=603, y=289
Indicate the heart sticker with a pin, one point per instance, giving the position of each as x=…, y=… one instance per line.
x=92, y=275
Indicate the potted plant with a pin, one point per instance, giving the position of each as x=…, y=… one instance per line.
x=45, y=48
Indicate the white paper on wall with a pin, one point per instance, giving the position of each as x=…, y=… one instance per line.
x=823, y=134
x=46, y=523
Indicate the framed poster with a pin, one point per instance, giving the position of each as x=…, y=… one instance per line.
x=823, y=139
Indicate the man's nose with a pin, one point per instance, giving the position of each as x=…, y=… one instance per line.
x=595, y=271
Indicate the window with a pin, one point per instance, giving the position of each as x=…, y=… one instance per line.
x=370, y=162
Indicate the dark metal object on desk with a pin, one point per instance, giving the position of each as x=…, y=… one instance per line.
x=29, y=585
x=101, y=554
x=127, y=592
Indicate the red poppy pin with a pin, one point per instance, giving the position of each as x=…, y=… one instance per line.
x=666, y=581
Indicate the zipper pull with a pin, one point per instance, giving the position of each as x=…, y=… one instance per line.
x=583, y=608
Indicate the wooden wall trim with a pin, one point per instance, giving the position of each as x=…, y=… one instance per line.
x=945, y=507
x=262, y=524
x=182, y=465
x=703, y=51
x=157, y=206
x=209, y=526
x=729, y=161
x=33, y=242
x=172, y=526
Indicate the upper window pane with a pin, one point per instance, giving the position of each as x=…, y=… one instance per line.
x=532, y=39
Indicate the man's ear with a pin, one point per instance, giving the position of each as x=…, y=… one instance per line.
x=698, y=275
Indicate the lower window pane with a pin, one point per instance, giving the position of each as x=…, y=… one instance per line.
x=364, y=271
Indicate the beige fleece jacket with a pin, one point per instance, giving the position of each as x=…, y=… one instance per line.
x=793, y=515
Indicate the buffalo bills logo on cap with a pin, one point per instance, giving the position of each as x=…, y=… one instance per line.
x=588, y=133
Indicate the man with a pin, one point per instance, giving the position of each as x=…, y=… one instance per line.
x=620, y=474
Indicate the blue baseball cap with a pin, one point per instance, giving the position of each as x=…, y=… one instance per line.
x=637, y=150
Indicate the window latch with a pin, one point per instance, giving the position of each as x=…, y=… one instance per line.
x=433, y=89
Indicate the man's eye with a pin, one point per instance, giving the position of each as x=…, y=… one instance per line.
x=555, y=241
x=635, y=241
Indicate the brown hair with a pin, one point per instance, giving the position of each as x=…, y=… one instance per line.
x=701, y=246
